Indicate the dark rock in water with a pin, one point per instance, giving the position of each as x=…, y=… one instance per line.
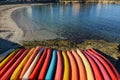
x=119, y=47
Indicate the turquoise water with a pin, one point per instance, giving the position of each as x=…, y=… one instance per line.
x=75, y=22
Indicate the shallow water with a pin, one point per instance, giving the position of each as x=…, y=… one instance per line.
x=75, y=22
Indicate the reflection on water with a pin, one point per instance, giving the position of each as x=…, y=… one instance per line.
x=29, y=11
x=98, y=9
x=76, y=9
x=76, y=21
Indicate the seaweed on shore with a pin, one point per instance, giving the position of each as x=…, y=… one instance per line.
x=111, y=49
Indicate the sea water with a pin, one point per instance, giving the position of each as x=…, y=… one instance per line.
x=75, y=21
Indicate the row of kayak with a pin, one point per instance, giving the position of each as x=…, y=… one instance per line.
x=51, y=64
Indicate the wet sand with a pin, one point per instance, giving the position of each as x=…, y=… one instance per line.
x=9, y=30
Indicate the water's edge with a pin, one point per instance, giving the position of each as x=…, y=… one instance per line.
x=27, y=26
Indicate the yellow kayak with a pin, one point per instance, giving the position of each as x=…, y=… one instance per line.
x=8, y=58
x=18, y=70
x=90, y=75
x=66, y=66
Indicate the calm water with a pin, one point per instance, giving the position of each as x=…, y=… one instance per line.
x=76, y=22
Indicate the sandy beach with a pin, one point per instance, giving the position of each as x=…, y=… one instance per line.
x=8, y=28
x=10, y=31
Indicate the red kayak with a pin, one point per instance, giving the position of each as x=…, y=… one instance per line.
x=24, y=65
x=52, y=66
x=29, y=61
x=106, y=65
x=104, y=72
x=59, y=68
x=32, y=66
x=17, y=71
x=45, y=65
x=34, y=74
x=9, y=67
x=96, y=70
x=108, y=62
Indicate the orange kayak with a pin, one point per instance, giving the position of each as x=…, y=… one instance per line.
x=81, y=67
x=90, y=75
x=33, y=75
x=67, y=71
x=59, y=67
x=24, y=61
x=30, y=69
x=9, y=68
x=108, y=62
x=73, y=64
x=29, y=61
x=96, y=70
x=45, y=66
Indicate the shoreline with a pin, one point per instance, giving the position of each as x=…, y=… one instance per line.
x=29, y=27
x=9, y=30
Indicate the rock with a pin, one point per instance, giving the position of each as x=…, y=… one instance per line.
x=119, y=47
